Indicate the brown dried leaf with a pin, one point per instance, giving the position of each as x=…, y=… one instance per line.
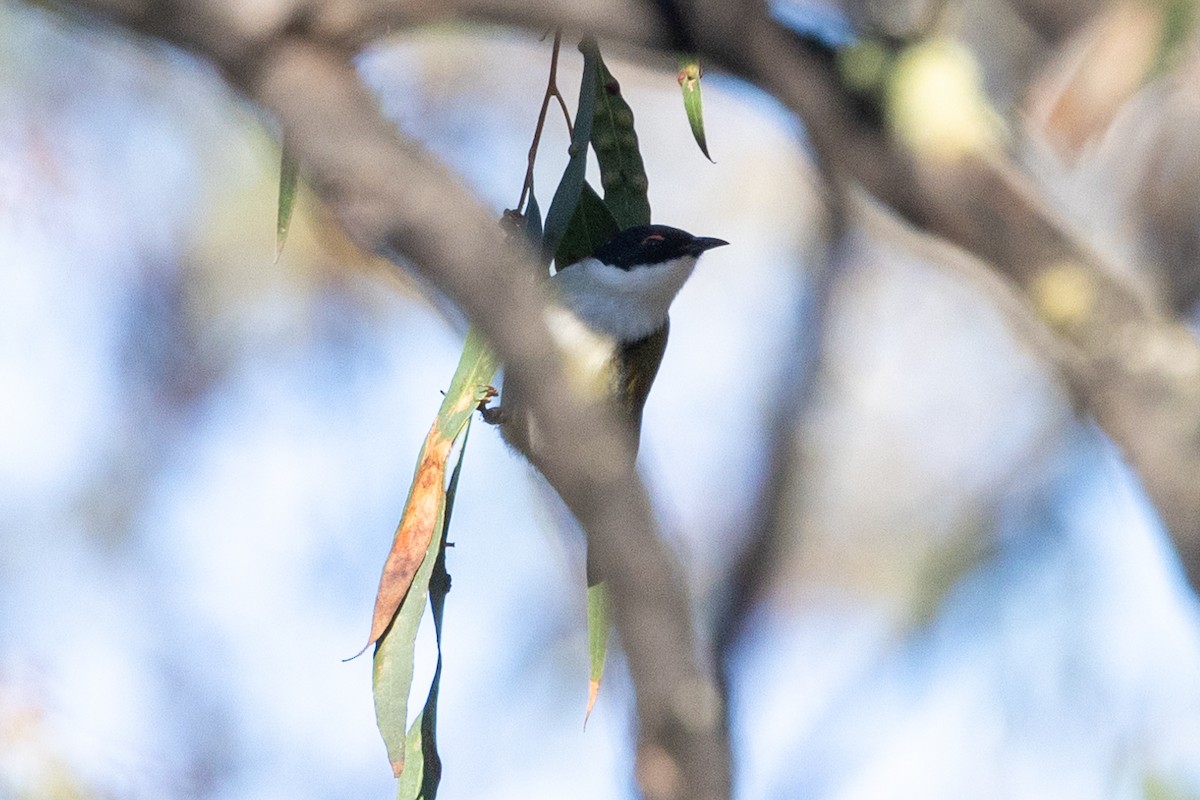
x=415, y=531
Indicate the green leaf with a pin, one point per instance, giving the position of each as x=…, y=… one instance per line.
x=599, y=624
x=533, y=222
x=425, y=515
x=566, y=196
x=622, y=173
x=592, y=225
x=289, y=175
x=393, y=668
x=477, y=367
x=689, y=82
x=424, y=772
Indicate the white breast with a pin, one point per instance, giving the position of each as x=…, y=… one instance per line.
x=625, y=304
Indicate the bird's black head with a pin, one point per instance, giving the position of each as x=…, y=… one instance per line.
x=652, y=244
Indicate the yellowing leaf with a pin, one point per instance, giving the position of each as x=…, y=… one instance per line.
x=415, y=532
x=599, y=624
x=476, y=369
x=392, y=673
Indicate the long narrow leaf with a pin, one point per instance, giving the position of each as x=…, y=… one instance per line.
x=533, y=221
x=1179, y=20
x=599, y=625
x=689, y=82
x=289, y=176
x=566, y=196
x=404, y=584
x=475, y=371
x=424, y=772
x=622, y=173
x=393, y=664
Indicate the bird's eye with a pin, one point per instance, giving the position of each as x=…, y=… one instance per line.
x=653, y=238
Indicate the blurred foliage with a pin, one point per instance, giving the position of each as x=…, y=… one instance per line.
x=1156, y=788
x=1178, y=32
x=937, y=105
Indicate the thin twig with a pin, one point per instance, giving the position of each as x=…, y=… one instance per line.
x=566, y=114
x=551, y=91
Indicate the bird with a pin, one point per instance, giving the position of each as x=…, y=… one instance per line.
x=614, y=313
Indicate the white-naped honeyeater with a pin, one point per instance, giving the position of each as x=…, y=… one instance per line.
x=616, y=322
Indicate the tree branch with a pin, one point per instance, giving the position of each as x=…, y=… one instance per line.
x=1139, y=372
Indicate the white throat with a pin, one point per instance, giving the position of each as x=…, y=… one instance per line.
x=627, y=305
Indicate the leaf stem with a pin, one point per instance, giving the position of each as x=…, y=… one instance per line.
x=551, y=91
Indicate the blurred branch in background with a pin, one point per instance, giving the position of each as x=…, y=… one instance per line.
x=785, y=462
x=1168, y=194
x=1138, y=369
x=1055, y=20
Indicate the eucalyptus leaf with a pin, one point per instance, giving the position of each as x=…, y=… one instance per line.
x=615, y=142
x=533, y=221
x=592, y=225
x=393, y=663
x=599, y=623
x=289, y=177
x=424, y=766
x=418, y=524
x=689, y=82
x=430, y=496
x=566, y=195
x=1179, y=18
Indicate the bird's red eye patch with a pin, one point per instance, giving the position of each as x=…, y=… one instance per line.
x=654, y=237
